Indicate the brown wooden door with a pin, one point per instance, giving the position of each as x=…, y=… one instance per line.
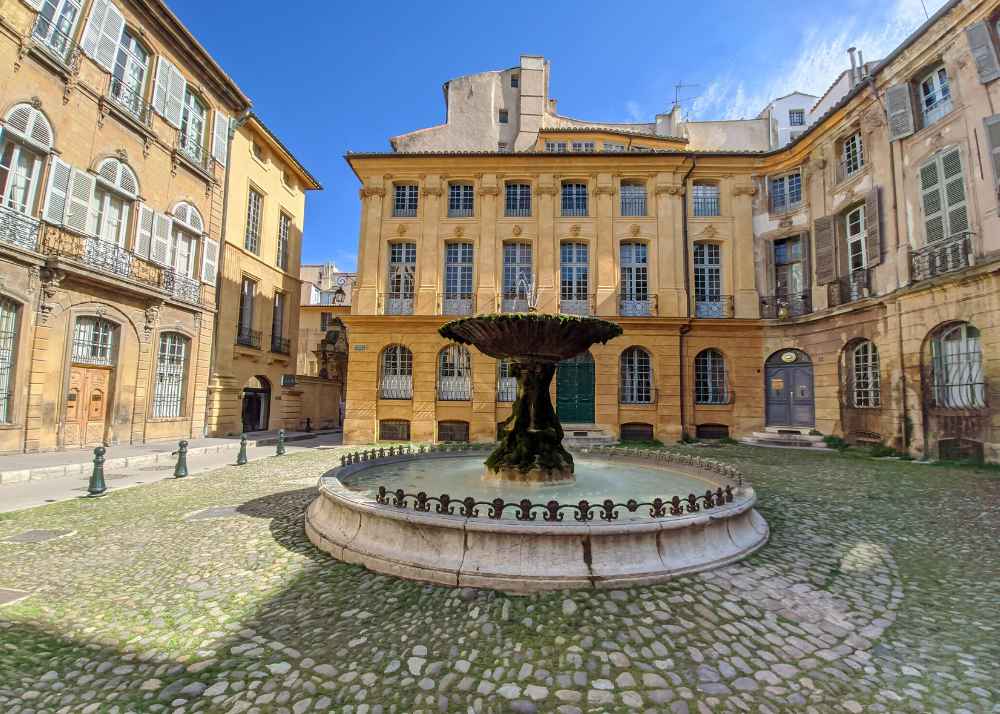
x=87, y=406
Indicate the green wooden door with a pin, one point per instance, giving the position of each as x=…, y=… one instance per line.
x=575, y=390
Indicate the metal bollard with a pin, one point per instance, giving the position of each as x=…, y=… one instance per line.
x=181, y=469
x=280, y=451
x=97, y=487
x=241, y=459
x=309, y=426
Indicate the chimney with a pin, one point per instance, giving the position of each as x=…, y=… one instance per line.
x=862, y=70
x=854, y=65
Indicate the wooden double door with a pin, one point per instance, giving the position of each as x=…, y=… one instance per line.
x=86, y=418
x=575, y=390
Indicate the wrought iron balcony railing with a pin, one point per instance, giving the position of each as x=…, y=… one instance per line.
x=517, y=211
x=713, y=306
x=514, y=303
x=636, y=304
x=942, y=257
x=633, y=205
x=454, y=389
x=18, y=229
x=849, y=288
x=780, y=307
x=506, y=389
x=193, y=151
x=281, y=345
x=456, y=303
x=396, y=386
x=463, y=212
x=702, y=206
x=181, y=287
x=247, y=337
x=577, y=304
x=56, y=43
x=400, y=212
x=396, y=303
x=101, y=255
x=130, y=101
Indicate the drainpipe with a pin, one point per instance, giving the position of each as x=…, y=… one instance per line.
x=687, y=291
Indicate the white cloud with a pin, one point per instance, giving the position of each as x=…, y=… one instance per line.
x=821, y=57
x=634, y=111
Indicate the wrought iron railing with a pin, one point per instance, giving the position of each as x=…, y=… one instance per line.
x=395, y=386
x=18, y=229
x=130, y=101
x=577, y=305
x=517, y=211
x=281, y=345
x=779, y=307
x=510, y=303
x=102, y=255
x=636, y=304
x=247, y=337
x=506, y=389
x=633, y=205
x=454, y=389
x=942, y=257
x=59, y=45
x=396, y=303
x=181, y=287
x=714, y=395
x=456, y=303
x=398, y=212
x=705, y=206
x=633, y=394
x=193, y=151
x=849, y=288
x=956, y=381
x=713, y=306
x=464, y=212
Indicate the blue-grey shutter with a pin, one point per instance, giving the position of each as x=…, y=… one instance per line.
x=899, y=110
x=983, y=51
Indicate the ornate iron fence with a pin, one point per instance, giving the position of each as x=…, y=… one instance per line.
x=248, y=338
x=457, y=303
x=56, y=43
x=779, y=307
x=181, y=287
x=941, y=257
x=102, y=255
x=396, y=303
x=576, y=306
x=715, y=306
x=395, y=386
x=849, y=288
x=281, y=345
x=636, y=305
x=130, y=101
x=18, y=229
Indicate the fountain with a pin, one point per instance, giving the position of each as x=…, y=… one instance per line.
x=608, y=518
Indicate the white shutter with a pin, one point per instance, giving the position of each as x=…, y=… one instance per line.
x=92, y=31
x=168, y=92
x=899, y=110
x=954, y=192
x=992, y=126
x=983, y=51
x=57, y=192
x=930, y=194
x=36, y=4
x=220, y=138
x=160, y=248
x=110, y=38
x=209, y=261
x=79, y=217
x=144, y=231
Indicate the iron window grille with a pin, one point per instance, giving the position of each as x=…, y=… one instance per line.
x=786, y=192
x=708, y=280
x=574, y=199
x=405, y=197
x=396, y=378
x=866, y=388
x=8, y=344
x=518, y=200
x=284, y=231
x=255, y=203
x=958, y=381
x=517, y=277
x=636, y=377
x=453, y=431
x=454, y=374
x=93, y=341
x=710, y=383
x=574, y=282
x=394, y=430
x=402, y=268
x=171, y=364
x=460, y=200
x=705, y=199
x=633, y=198
x=506, y=381
x=458, y=265
x=634, y=299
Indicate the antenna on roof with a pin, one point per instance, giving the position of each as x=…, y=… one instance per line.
x=677, y=91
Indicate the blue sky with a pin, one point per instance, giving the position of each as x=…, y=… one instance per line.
x=329, y=77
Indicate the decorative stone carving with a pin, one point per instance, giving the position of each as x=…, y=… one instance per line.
x=489, y=190
x=670, y=190
x=749, y=190
x=516, y=230
x=574, y=230
x=634, y=229
x=546, y=190
x=401, y=229
x=785, y=222
x=35, y=102
x=34, y=278
x=50, y=282
x=710, y=232
x=122, y=155
x=152, y=315
x=604, y=191
x=371, y=192
x=431, y=191
x=459, y=231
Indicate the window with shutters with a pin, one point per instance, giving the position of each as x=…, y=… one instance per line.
x=942, y=188
x=935, y=95
x=128, y=78
x=171, y=368
x=94, y=341
x=396, y=373
x=518, y=278
x=786, y=192
x=20, y=167
x=574, y=199
x=405, y=197
x=517, y=200
x=460, y=200
x=865, y=387
x=192, y=135
x=636, y=384
x=278, y=342
x=857, y=241
x=789, y=273
x=710, y=383
x=454, y=374
x=9, y=316
x=255, y=208
x=55, y=25
x=284, y=235
x=112, y=213
x=182, y=250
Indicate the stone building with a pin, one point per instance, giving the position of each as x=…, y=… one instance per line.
x=847, y=283
x=112, y=171
x=253, y=385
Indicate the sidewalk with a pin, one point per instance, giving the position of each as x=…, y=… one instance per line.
x=18, y=468
x=27, y=494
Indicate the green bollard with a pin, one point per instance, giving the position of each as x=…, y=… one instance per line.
x=97, y=487
x=281, y=443
x=241, y=459
x=181, y=469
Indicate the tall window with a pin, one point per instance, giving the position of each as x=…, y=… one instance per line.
x=255, y=208
x=55, y=24
x=397, y=373
x=244, y=333
x=128, y=79
x=957, y=368
x=786, y=192
x=633, y=198
x=404, y=203
x=518, y=200
x=935, y=95
x=284, y=232
x=518, y=281
x=115, y=189
x=458, y=279
x=789, y=279
x=636, y=376
x=402, y=270
x=574, y=199
x=574, y=280
x=856, y=234
x=93, y=341
x=705, y=199
x=192, y=135
x=708, y=280
x=634, y=279
x=8, y=345
x=852, y=155
x=942, y=188
x=454, y=374
x=506, y=381
x=171, y=365
x=19, y=170
x=278, y=315
x=796, y=117
x=710, y=378
x=866, y=387
x=460, y=200
x=183, y=246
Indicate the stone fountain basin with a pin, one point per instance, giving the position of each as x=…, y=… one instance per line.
x=522, y=557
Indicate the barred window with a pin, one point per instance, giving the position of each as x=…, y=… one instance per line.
x=633, y=198
x=957, y=379
x=460, y=200
x=404, y=200
x=867, y=388
x=636, y=376
x=171, y=365
x=93, y=341
x=710, y=384
x=454, y=374
x=518, y=200
x=705, y=199
x=255, y=207
x=574, y=199
x=506, y=381
x=8, y=345
x=397, y=373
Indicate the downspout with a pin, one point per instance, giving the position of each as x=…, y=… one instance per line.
x=686, y=328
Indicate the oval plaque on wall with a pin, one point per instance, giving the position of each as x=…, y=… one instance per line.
x=788, y=356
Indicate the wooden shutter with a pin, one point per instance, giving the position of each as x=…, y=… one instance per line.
x=983, y=51
x=37, y=4
x=110, y=37
x=767, y=268
x=954, y=192
x=159, y=251
x=899, y=110
x=826, y=257
x=209, y=261
x=168, y=92
x=992, y=127
x=220, y=138
x=144, y=231
x=57, y=193
x=933, y=204
x=807, y=278
x=873, y=232
x=92, y=31
x=81, y=194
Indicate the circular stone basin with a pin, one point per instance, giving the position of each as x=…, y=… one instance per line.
x=629, y=519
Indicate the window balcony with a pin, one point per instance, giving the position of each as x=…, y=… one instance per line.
x=577, y=305
x=396, y=303
x=456, y=303
x=103, y=256
x=245, y=337
x=18, y=229
x=395, y=386
x=281, y=345
x=780, y=307
x=517, y=212
x=636, y=305
x=713, y=306
x=633, y=205
x=192, y=151
x=398, y=212
x=941, y=257
x=130, y=102
x=55, y=43
x=705, y=206
x=506, y=389
x=460, y=212
x=577, y=212
x=849, y=288
x=454, y=389
x=181, y=287
x=514, y=303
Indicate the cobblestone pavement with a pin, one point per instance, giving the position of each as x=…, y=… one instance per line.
x=879, y=591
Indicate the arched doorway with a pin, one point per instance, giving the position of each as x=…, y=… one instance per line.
x=788, y=389
x=256, y=404
x=575, y=390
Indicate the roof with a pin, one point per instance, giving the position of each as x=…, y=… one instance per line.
x=607, y=130
x=312, y=183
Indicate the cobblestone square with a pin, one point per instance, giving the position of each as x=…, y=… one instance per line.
x=879, y=591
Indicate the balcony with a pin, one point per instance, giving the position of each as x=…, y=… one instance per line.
x=245, y=337
x=849, y=288
x=633, y=205
x=781, y=307
x=193, y=152
x=514, y=303
x=705, y=206
x=713, y=306
x=396, y=303
x=130, y=102
x=181, y=287
x=517, y=212
x=577, y=305
x=18, y=229
x=506, y=389
x=941, y=257
x=636, y=304
x=404, y=212
x=55, y=43
x=454, y=389
x=101, y=255
x=396, y=386
x=460, y=212
x=281, y=345
x=456, y=303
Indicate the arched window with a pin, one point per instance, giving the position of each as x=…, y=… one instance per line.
x=574, y=282
x=957, y=380
x=636, y=376
x=26, y=140
x=866, y=387
x=94, y=341
x=128, y=78
x=454, y=374
x=115, y=191
x=705, y=199
x=634, y=298
x=171, y=367
x=506, y=381
x=9, y=313
x=397, y=373
x=710, y=384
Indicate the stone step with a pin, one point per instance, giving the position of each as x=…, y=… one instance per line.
x=784, y=441
x=815, y=438
x=585, y=435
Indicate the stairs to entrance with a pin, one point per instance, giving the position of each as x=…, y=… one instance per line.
x=584, y=435
x=785, y=437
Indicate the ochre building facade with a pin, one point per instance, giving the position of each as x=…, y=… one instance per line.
x=847, y=283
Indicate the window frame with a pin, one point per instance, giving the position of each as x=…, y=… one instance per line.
x=503, y=116
x=636, y=384
x=395, y=372
x=968, y=392
x=254, y=220
x=785, y=180
x=635, y=204
x=101, y=344
x=574, y=199
x=940, y=92
x=10, y=330
x=461, y=199
x=857, y=239
x=177, y=379
x=517, y=205
x=866, y=387
x=702, y=205
x=711, y=379
x=403, y=195
x=130, y=98
x=852, y=155
x=284, y=240
x=454, y=374
x=794, y=114
x=192, y=142
x=18, y=150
